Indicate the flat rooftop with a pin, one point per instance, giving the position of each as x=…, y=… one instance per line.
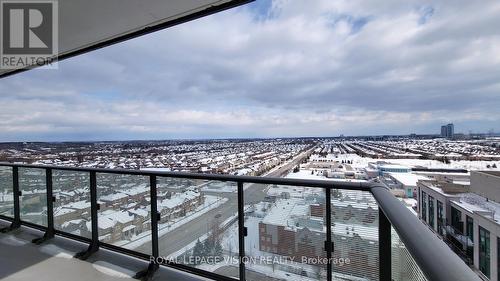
x=408, y=179
x=478, y=204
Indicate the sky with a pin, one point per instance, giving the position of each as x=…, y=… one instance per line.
x=275, y=69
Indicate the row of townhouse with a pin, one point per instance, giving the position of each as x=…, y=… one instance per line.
x=467, y=217
x=122, y=225
x=124, y=214
x=114, y=199
x=114, y=224
x=179, y=204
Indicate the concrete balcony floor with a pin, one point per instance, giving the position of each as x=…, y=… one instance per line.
x=53, y=260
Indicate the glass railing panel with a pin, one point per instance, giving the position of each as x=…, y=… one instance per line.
x=286, y=232
x=6, y=192
x=124, y=217
x=33, y=201
x=403, y=267
x=355, y=235
x=199, y=224
x=72, y=206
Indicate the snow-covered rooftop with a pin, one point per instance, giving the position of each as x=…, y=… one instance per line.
x=478, y=204
x=285, y=211
x=407, y=179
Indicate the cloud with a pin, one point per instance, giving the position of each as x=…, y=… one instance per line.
x=280, y=68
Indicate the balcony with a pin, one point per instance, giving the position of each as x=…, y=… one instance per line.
x=109, y=224
x=461, y=244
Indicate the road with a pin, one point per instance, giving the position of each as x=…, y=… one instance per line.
x=189, y=232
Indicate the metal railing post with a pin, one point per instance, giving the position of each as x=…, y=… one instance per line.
x=242, y=230
x=148, y=273
x=329, y=247
x=17, y=195
x=94, y=207
x=384, y=244
x=423, y=245
x=16, y=223
x=155, y=216
x=50, y=209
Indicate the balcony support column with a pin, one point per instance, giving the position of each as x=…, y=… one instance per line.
x=16, y=223
x=49, y=234
x=94, y=207
x=329, y=247
x=385, y=254
x=154, y=265
x=242, y=230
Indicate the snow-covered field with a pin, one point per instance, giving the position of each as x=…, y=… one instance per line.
x=219, y=187
x=309, y=175
x=362, y=162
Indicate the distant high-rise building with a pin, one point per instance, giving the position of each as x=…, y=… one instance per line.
x=443, y=131
x=448, y=131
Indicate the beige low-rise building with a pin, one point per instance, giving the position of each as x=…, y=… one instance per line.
x=467, y=217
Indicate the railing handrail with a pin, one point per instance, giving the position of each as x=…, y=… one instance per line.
x=436, y=260
x=361, y=186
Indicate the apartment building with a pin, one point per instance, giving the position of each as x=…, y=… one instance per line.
x=467, y=217
x=448, y=131
x=295, y=227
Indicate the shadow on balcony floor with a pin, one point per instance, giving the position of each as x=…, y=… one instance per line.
x=22, y=260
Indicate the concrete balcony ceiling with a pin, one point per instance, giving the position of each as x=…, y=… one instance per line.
x=84, y=26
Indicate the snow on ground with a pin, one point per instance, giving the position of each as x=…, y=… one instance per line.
x=230, y=237
x=202, y=238
x=230, y=244
x=258, y=209
x=156, y=169
x=475, y=165
x=362, y=162
x=219, y=187
x=293, y=191
x=309, y=175
x=211, y=202
x=179, y=185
